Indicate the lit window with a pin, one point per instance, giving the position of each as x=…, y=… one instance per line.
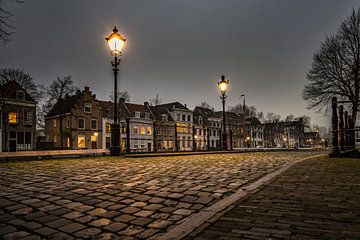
x=13, y=117
x=81, y=123
x=137, y=114
x=178, y=129
x=20, y=95
x=136, y=130
x=123, y=129
x=68, y=142
x=142, y=131
x=184, y=129
x=108, y=127
x=149, y=130
x=81, y=141
x=94, y=124
x=87, y=108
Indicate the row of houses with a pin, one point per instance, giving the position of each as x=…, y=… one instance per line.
x=81, y=121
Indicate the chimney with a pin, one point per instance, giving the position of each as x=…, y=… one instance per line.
x=87, y=89
x=122, y=100
x=94, y=96
x=146, y=104
x=185, y=105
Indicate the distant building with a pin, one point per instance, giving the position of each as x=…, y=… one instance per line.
x=75, y=122
x=183, y=120
x=207, y=128
x=18, y=118
x=234, y=123
x=256, y=134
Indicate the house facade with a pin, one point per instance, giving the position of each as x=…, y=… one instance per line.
x=75, y=122
x=18, y=118
x=234, y=124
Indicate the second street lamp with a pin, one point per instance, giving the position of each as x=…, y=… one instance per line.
x=116, y=43
x=223, y=85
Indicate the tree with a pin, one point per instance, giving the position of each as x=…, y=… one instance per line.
x=6, y=28
x=289, y=118
x=272, y=117
x=335, y=69
x=57, y=91
x=23, y=79
x=156, y=100
x=204, y=104
x=122, y=94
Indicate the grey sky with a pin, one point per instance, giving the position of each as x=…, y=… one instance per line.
x=179, y=49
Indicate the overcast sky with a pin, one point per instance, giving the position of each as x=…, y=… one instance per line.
x=179, y=49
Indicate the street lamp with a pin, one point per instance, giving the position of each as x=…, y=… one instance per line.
x=223, y=85
x=116, y=43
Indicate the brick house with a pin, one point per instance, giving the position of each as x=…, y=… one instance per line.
x=75, y=122
x=234, y=128
x=18, y=121
x=183, y=120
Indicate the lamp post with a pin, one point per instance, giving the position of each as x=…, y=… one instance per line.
x=116, y=43
x=244, y=109
x=223, y=85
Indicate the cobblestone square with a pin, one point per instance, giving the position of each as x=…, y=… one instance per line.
x=110, y=198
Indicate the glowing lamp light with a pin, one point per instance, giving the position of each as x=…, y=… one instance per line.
x=96, y=134
x=223, y=85
x=116, y=42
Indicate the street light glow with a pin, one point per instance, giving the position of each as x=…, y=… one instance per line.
x=223, y=85
x=116, y=42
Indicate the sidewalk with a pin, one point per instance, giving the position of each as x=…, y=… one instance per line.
x=315, y=199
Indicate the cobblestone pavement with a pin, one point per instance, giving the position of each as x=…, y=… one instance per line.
x=316, y=199
x=109, y=198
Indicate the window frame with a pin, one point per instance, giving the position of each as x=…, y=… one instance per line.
x=87, y=105
x=91, y=124
x=78, y=127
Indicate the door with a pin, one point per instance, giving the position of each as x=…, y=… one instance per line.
x=12, y=145
x=149, y=146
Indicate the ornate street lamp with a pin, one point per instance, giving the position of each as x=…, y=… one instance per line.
x=223, y=85
x=116, y=43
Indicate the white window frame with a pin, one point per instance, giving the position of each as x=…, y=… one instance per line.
x=87, y=105
x=137, y=115
x=23, y=96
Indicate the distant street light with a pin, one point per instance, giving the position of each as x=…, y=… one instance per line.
x=223, y=85
x=116, y=44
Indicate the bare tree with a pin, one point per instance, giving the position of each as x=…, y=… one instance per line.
x=272, y=117
x=335, y=69
x=23, y=79
x=6, y=28
x=204, y=104
x=57, y=91
x=122, y=94
x=289, y=118
x=156, y=100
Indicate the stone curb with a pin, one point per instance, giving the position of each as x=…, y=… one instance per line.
x=191, y=223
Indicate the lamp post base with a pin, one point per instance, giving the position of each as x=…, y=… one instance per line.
x=115, y=140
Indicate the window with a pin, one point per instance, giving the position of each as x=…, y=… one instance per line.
x=107, y=127
x=183, y=128
x=184, y=117
x=163, y=117
x=189, y=118
x=178, y=129
x=136, y=130
x=123, y=129
x=54, y=138
x=147, y=115
x=13, y=117
x=137, y=114
x=200, y=120
x=178, y=117
x=149, y=130
x=20, y=95
x=28, y=117
x=108, y=142
x=68, y=124
x=189, y=142
x=94, y=124
x=68, y=142
x=54, y=123
x=87, y=107
x=81, y=141
x=81, y=123
x=142, y=131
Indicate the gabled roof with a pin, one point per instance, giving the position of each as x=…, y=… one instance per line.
x=63, y=106
x=254, y=121
x=171, y=106
x=8, y=90
x=159, y=110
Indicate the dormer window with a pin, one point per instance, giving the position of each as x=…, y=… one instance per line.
x=137, y=114
x=163, y=117
x=20, y=95
x=147, y=115
x=87, y=108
